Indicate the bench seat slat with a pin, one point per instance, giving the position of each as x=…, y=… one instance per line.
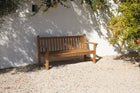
x=74, y=52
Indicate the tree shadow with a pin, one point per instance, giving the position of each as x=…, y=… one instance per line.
x=93, y=24
x=15, y=70
x=131, y=57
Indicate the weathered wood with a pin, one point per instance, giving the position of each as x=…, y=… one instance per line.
x=63, y=46
x=94, y=53
x=85, y=57
x=74, y=40
x=80, y=43
x=85, y=45
x=62, y=43
x=39, y=57
x=67, y=44
x=50, y=45
x=45, y=45
x=47, y=59
x=77, y=45
x=41, y=46
x=70, y=43
x=56, y=44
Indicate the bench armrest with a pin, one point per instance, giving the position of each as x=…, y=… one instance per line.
x=95, y=44
x=94, y=47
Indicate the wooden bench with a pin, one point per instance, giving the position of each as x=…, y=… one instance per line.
x=64, y=46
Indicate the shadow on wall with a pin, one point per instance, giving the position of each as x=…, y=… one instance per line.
x=91, y=22
x=18, y=33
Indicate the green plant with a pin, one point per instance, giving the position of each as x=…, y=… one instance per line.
x=8, y=6
x=97, y=4
x=125, y=26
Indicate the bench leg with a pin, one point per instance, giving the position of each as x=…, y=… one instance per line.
x=39, y=61
x=47, y=62
x=85, y=57
x=94, y=58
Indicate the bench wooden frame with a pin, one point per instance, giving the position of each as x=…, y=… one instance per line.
x=63, y=46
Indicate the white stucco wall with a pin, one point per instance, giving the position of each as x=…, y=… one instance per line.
x=18, y=32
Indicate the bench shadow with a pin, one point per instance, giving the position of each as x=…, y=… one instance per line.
x=35, y=67
x=72, y=61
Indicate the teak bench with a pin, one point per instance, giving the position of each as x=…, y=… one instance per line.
x=63, y=46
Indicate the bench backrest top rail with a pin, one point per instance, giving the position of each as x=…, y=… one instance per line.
x=49, y=37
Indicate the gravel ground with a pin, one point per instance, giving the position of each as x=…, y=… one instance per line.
x=108, y=75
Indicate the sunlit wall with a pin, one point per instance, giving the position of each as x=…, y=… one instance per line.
x=19, y=30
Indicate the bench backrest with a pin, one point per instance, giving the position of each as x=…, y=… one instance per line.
x=61, y=43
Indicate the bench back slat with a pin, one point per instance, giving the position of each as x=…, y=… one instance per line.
x=63, y=43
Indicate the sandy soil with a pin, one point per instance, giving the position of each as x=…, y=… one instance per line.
x=109, y=75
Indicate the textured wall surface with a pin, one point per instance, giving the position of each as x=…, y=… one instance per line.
x=18, y=32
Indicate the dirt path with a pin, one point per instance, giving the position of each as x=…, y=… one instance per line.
x=108, y=75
